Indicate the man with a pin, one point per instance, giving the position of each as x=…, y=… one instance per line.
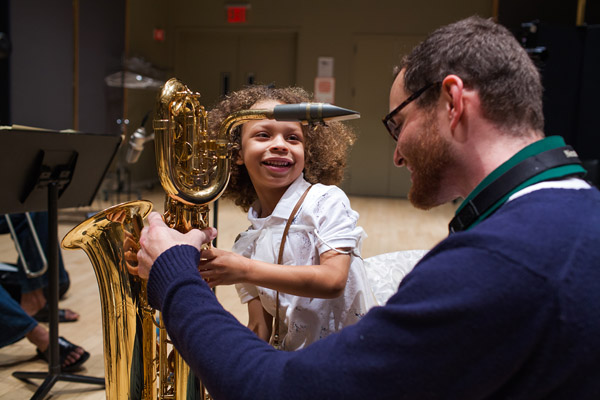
x=508, y=306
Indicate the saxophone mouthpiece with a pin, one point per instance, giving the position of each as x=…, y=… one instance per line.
x=311, y=113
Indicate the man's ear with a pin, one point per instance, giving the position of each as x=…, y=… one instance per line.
x=452, y=91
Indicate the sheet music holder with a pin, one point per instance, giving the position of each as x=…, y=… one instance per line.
x=47, y=170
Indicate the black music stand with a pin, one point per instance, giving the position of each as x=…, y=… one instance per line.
x=47, y=170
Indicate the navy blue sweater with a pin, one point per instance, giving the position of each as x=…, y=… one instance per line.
x=507, y=310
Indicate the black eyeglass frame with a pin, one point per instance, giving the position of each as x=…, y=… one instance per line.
x=388, y=121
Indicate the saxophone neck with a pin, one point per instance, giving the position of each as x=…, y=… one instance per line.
x=240, y=117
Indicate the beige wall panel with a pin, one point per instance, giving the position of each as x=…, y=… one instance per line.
x=205, y=58
x=372, y=172
x=269, y=56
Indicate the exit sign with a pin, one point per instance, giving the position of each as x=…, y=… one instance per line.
x=236, y=14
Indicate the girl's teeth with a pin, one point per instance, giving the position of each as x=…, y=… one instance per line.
x=278, y=164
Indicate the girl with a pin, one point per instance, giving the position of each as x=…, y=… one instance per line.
x=321, y=286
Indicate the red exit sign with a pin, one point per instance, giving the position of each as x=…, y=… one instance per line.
x=236, y=14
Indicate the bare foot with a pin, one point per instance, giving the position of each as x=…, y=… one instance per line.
x=71, y=315
x=41, y=339
x=33, y=302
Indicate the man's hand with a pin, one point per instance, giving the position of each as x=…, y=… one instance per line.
x=157, y=237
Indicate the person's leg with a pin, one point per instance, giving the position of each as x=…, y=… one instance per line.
x=26, y=240
x=40, y=221
x=27, y=243
x=15, y=322
x=16, y=325
x=33, y=299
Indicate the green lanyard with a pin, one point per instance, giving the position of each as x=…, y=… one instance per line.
x=535, y=149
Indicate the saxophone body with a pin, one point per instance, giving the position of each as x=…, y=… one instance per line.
x=193, y=166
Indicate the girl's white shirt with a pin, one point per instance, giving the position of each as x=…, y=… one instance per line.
x=324, y=222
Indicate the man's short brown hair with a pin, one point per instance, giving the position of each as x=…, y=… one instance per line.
x=489, y=59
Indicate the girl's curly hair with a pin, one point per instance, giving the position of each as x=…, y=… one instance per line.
x=326, y=147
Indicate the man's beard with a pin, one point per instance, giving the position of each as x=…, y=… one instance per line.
x=429, y=157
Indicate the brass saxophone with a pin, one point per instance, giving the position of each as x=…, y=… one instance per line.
x=194, y=168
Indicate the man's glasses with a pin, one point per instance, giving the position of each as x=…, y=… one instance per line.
x=388, y=120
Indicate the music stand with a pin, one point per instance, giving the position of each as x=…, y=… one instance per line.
x=48, y=170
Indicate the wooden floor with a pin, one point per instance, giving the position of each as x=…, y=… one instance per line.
x=391, y=225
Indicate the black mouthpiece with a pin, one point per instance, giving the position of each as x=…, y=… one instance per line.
x=308, y=113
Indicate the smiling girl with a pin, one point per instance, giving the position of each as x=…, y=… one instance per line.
x=320, y=285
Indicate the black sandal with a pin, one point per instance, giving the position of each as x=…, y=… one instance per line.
x=44, y=315
x=64, y=349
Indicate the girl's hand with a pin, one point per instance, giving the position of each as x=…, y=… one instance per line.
x=220, y=267
x=326, y=281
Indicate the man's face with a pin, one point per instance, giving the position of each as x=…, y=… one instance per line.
x=420, y=148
